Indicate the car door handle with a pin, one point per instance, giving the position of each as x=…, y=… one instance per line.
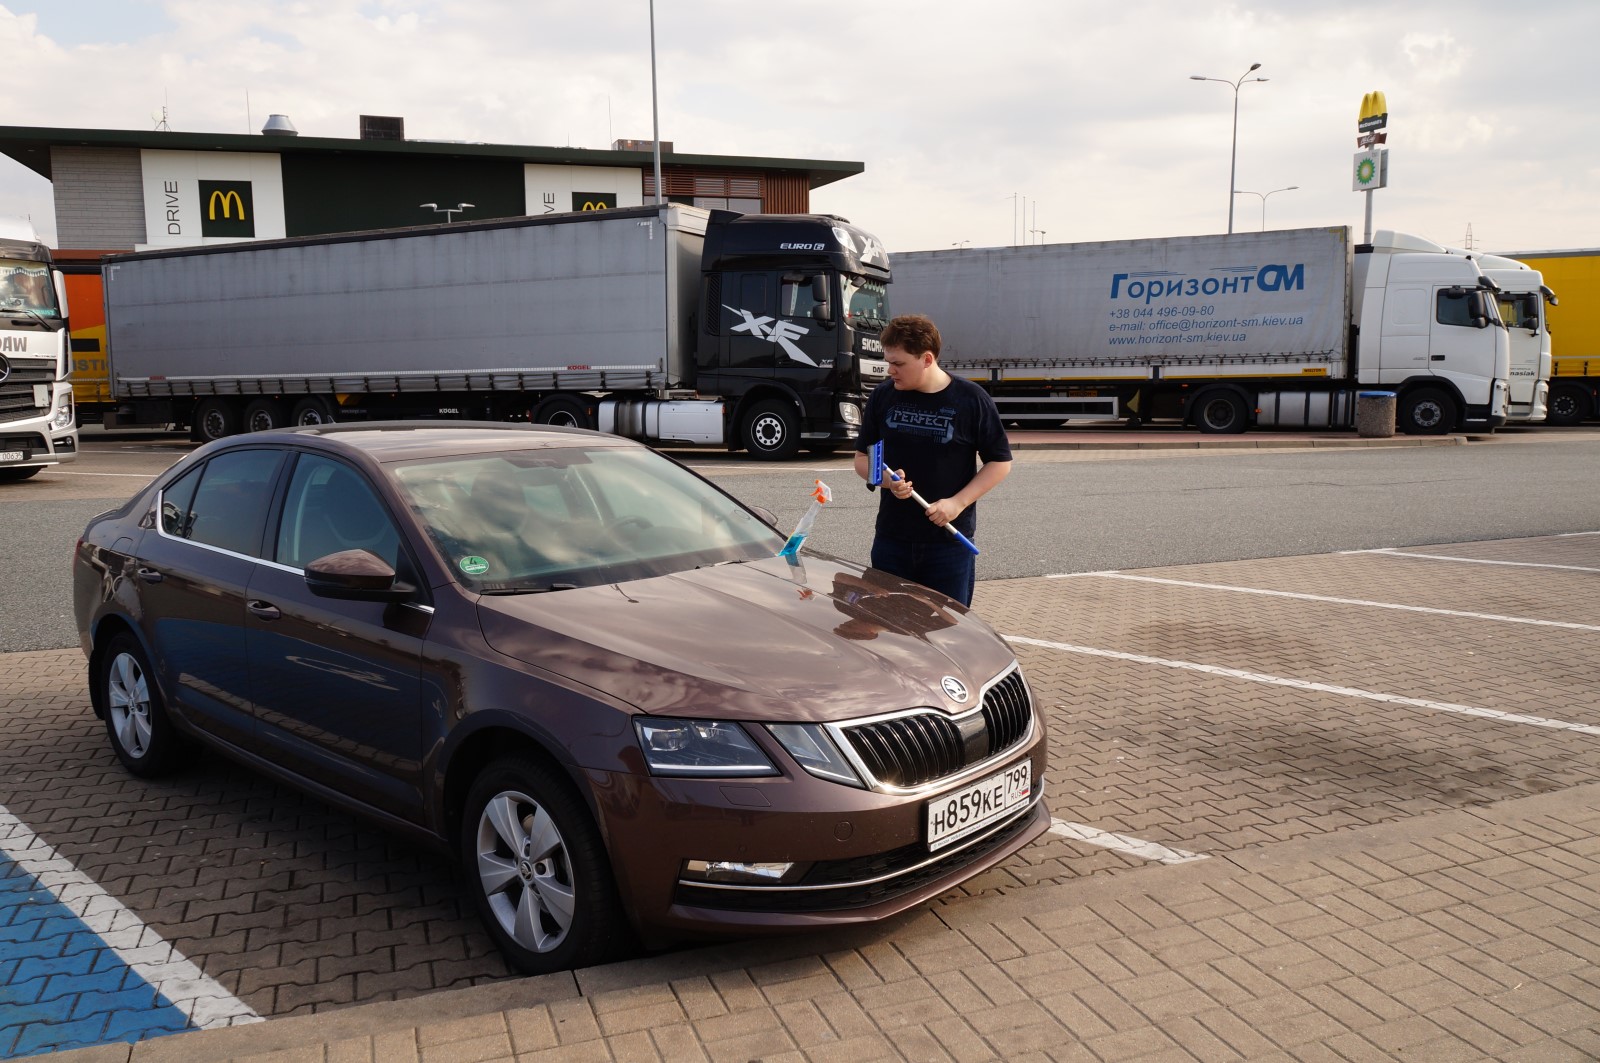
x=1437, y=358
x=265, y=610
x=150, y=575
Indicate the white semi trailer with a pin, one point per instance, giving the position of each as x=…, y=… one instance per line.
x=1266, y=329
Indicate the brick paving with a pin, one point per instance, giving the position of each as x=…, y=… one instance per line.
x=1384, y=881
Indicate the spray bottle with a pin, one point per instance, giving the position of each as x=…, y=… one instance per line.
x=819, y=498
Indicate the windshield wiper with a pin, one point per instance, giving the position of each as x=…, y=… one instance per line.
x=530, y=589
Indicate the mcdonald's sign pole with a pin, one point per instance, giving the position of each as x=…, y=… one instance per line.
x=655, y=111
x=1372, y=162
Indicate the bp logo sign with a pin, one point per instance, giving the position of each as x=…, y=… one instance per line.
x=1371, y=170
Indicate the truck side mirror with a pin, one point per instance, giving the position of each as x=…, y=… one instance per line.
x=819, y=288
x=61, y=291
x=823, y=313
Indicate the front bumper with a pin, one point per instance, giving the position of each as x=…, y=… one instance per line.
x=864, y=853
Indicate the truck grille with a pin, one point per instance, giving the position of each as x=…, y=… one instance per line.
x=16, y=394
x=924, y=745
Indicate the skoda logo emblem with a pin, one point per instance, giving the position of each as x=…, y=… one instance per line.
x=954, y=687
x=5, y=369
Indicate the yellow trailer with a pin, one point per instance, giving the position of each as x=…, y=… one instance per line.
x=1574, y=330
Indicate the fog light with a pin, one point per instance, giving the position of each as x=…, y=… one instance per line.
x=849, y=413
x=732, y=871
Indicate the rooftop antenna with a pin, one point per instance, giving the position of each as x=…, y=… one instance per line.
x=161, y=120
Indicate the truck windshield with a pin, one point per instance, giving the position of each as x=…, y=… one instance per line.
x=866, y=303
x=550, y=519
x=25, y=287
x=1519, y=311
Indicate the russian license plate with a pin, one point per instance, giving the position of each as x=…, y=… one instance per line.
x=956, y=815
x=11, y=455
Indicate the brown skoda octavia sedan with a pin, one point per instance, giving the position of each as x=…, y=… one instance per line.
x=576, y=665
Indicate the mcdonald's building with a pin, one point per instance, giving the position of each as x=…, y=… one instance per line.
x=122, y=190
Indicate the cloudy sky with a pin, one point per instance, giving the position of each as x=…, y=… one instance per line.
x=960, y=110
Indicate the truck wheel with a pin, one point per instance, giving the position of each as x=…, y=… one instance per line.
x=11, y=476
x=537, y=870
x=311, y=410
x=214, y=419
x=1221, y=413
x=1569, y=404
x=1426, y=412
x=563, y=411
x=771, y=430
x=263, y=415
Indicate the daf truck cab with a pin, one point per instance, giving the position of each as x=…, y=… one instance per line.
x=1522, y=295
x=37, y=427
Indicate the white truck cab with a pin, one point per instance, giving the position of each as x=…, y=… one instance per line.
x=37, y=425
x=1522, y=297
x=1429, y=328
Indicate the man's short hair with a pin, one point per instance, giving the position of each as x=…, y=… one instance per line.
x=912, y=333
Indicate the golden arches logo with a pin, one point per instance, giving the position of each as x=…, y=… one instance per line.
x=1374, y=112
x=230, y=197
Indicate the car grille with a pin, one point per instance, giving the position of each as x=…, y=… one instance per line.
x=925, y=746
x=896, y=873
x=16, y=394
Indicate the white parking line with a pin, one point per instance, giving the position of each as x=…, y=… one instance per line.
x=163, y=967
x=1298, y=596
x=1320, y=688
x=1121, y=843
x=122, y=475
x=1389, y=552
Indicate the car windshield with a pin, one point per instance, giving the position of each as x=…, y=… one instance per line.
x=555, y=518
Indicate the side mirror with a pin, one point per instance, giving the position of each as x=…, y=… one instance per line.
x=822, y=312
x=819, y=288
x=355, y=576
x=61, y=291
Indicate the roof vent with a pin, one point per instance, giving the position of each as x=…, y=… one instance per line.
x=377, y=127
x=278, y=125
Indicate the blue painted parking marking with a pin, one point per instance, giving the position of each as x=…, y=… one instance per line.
x=77, y=968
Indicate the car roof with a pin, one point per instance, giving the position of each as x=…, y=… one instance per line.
x=387, y=441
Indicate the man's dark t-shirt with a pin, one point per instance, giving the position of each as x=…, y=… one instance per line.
x=936, y=438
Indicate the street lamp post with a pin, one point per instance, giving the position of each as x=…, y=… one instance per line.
x=1263, y=195
x=1234, y=159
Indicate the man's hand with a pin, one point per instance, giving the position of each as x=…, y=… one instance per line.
x=900, y=488
x=944, y=511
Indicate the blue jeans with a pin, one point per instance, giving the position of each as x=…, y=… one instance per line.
x=947, y=567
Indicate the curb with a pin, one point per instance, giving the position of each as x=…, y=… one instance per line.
x=1248, y=444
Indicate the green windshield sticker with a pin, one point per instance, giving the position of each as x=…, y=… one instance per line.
x=473, y=565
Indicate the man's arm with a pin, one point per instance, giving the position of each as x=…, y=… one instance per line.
x=946, y=510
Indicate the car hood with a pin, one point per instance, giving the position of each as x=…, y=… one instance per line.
x=819, y=640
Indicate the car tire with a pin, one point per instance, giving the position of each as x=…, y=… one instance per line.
x=11, y=476
x=263, y=415
x=771, y=430
x=1426, y=412
x=537, y=869
x=214, y=419
x=1221, y=413
x=1568, y=404
x=312, y=410
x=141, y=734
x=563, y=411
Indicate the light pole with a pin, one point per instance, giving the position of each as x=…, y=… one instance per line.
x=655, y=110
x=1233, y=162
x=447, y=211
x=1263, y=195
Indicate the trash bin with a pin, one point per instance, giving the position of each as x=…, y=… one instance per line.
x=1375, y=414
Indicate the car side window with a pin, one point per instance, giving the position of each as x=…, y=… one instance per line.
x=177, y=515
x=330, y=507
x=230, y=506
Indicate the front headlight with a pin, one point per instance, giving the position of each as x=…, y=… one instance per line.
x=63, y=415
x=814, y=750
x=700, y=748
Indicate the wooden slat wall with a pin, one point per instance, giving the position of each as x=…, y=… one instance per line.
x=780, y=193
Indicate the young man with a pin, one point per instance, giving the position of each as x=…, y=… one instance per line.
x=934, y=428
